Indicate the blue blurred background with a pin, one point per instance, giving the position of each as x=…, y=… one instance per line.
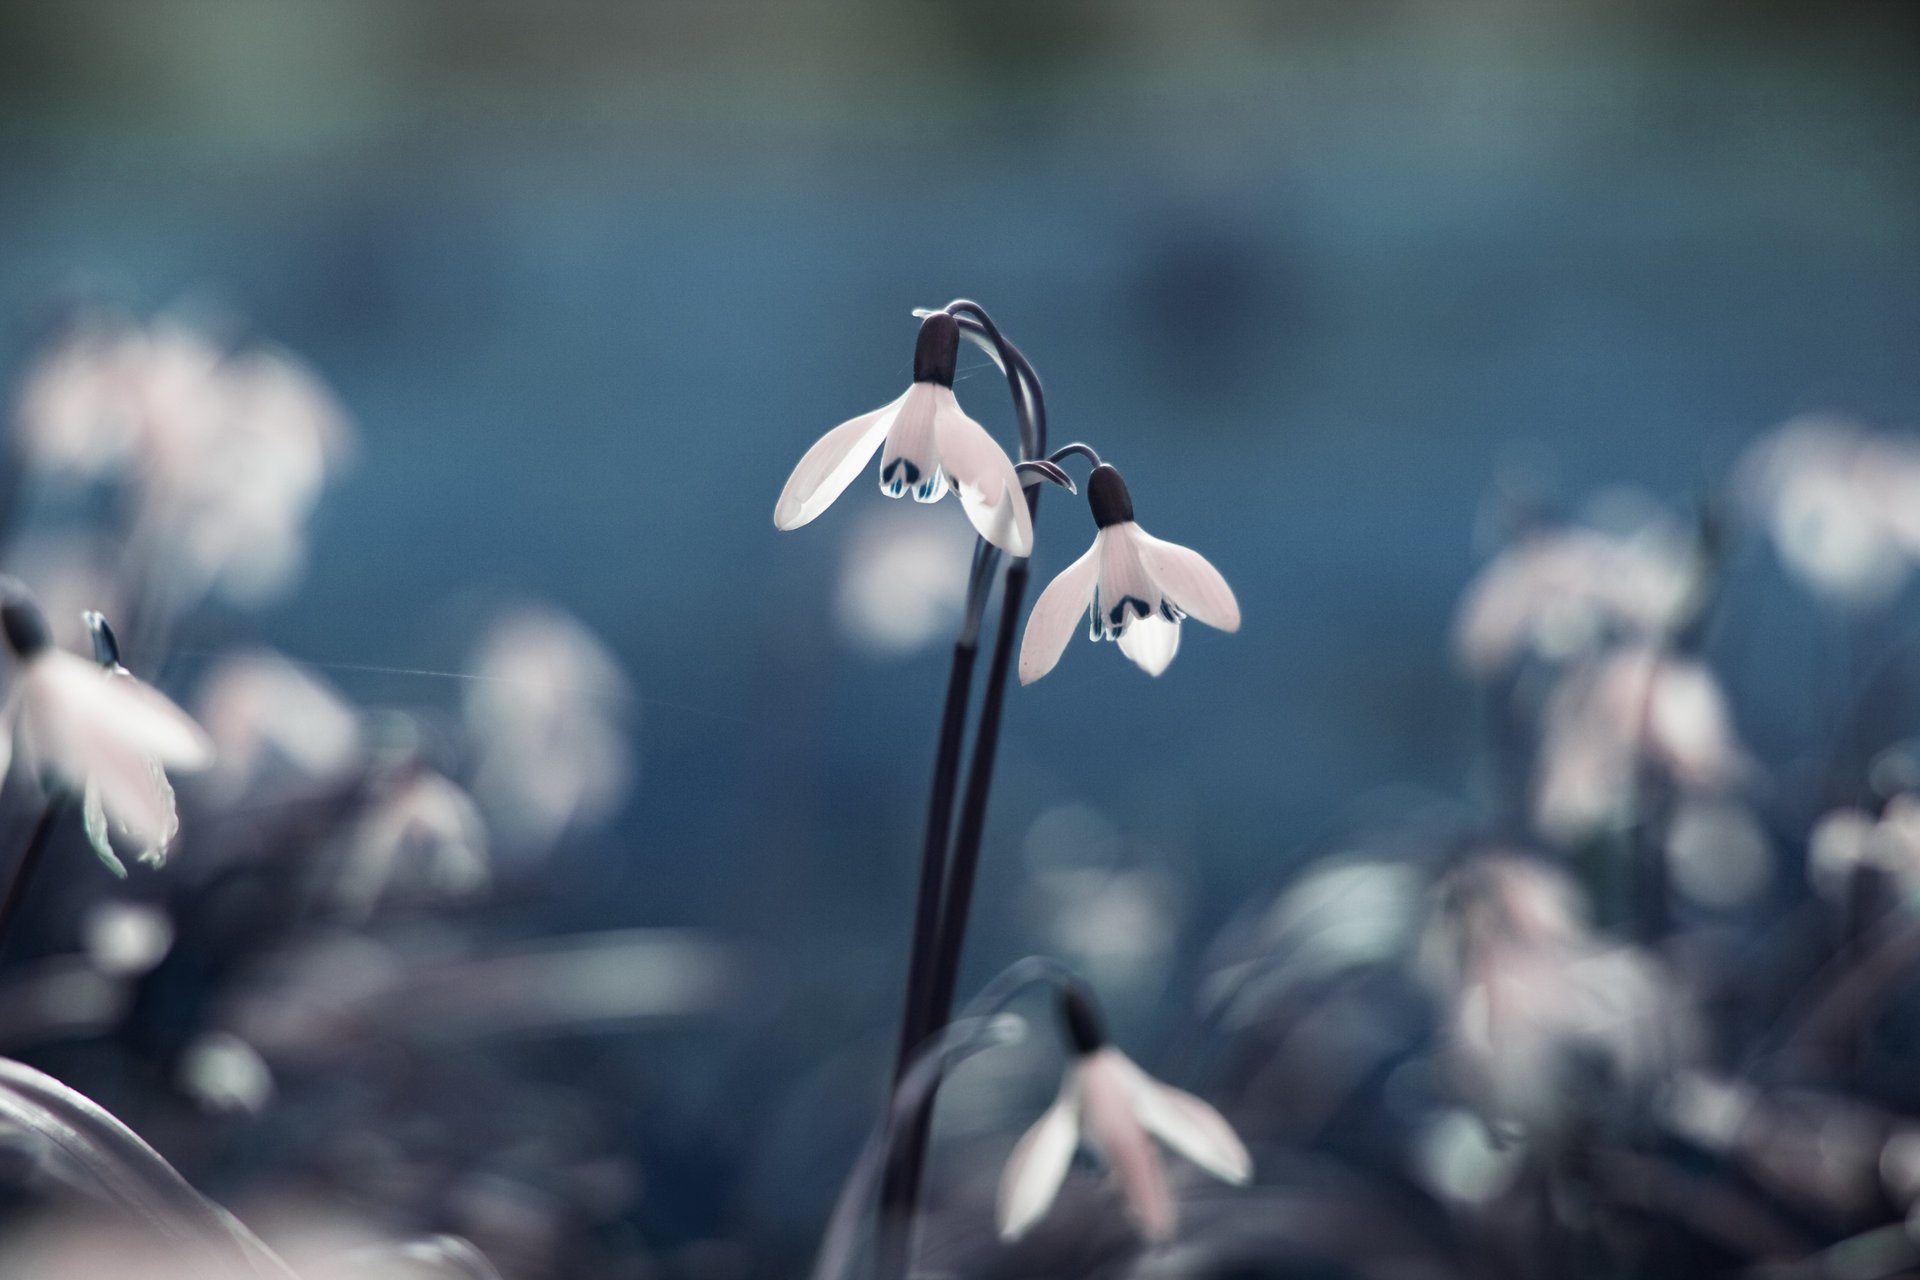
x=1320, y=277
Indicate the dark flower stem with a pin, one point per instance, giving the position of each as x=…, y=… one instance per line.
x=945, y=895
x=23, y=870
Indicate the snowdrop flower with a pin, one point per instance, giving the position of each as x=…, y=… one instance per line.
x=1117, y=1108
x=424, y=834
x=1544, y=1020
x=1850, y=838
x=545, y=709
x=1608, y=718
x=931, y=446
x=272, y=719
x=99, y=732
x=1840, y=502
x=1134, y=588
x=1557, y=593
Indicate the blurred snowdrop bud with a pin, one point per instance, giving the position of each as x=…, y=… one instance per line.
x=96, y=731
x=126, y=939
x=267, y=715
x=225, y=1073
x=1718, y=853
x=545, y=711
x=903, y=584
x=1557, y=594
x=1842, y=504
x=931, y=446
x=1612, y=716
x=1849, y=838
x=1117, y=1110
x=1546, y=1025
x=1900, y=1166
x=422, y=835
x=1134, y=589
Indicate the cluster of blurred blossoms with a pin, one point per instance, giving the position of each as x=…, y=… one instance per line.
x=161, y=477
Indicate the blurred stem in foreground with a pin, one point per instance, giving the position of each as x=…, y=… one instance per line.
x=28, y=862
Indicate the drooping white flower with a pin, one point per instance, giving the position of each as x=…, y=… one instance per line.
x=270, y=718
x=1558, y=593
x=1848, y=838
x=1544, y=1019
x=546, y=709
x=1634, y=707
x=423, y=835
x=931, y=446
x=1842, y=504
x=1134, y=588
x=1117, y=1110
x=93, y=728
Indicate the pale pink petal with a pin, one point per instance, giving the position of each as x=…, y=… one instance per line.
x=1055, y=615
x=96, y=703
x=1190, y=1127
x=989, y=488
x=1185, y=577
x=1037, y=1167
x=1116, y=1133
x=1151, y=643
x=1126, y=590
x=830, y=465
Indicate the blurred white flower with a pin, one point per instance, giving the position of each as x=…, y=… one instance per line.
x=97, y=731
x=125, y=939
x=229, y=479
x=1559, y=593
x=424, y=834
x=1611, y=717
x=1842, y=504
x=903, y=583
x=1544, y=1021
x=76, y=409
x=1117, y=1108
x=264, y=714
x=546, y=710
x=1850, y=838
x=931, y=445
x=1134, y=588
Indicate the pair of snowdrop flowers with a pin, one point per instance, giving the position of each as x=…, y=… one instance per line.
x=1117, y=1110
x=1134, y=588
x=89, y=727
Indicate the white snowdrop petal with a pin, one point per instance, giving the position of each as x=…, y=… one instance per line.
x=1126, y=589
x=152, y=720
x=1116, y=1133
x=989, y=488
x=1151, y=643
x=93, y=820
x=1185, y=577
x=1037, y=1167
x=910, y=463
x=1056, y=614
x=1194, y=1129
x=830, y=465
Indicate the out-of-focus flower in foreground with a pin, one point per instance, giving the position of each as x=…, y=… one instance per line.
x=1558, y=593
x=1617, y=714
x=97, y=731
x=1545, y=1021
x=1118, y=1109
x=1842, y=504
x=931, y=446
x=545, y=709
x=1134, y=588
